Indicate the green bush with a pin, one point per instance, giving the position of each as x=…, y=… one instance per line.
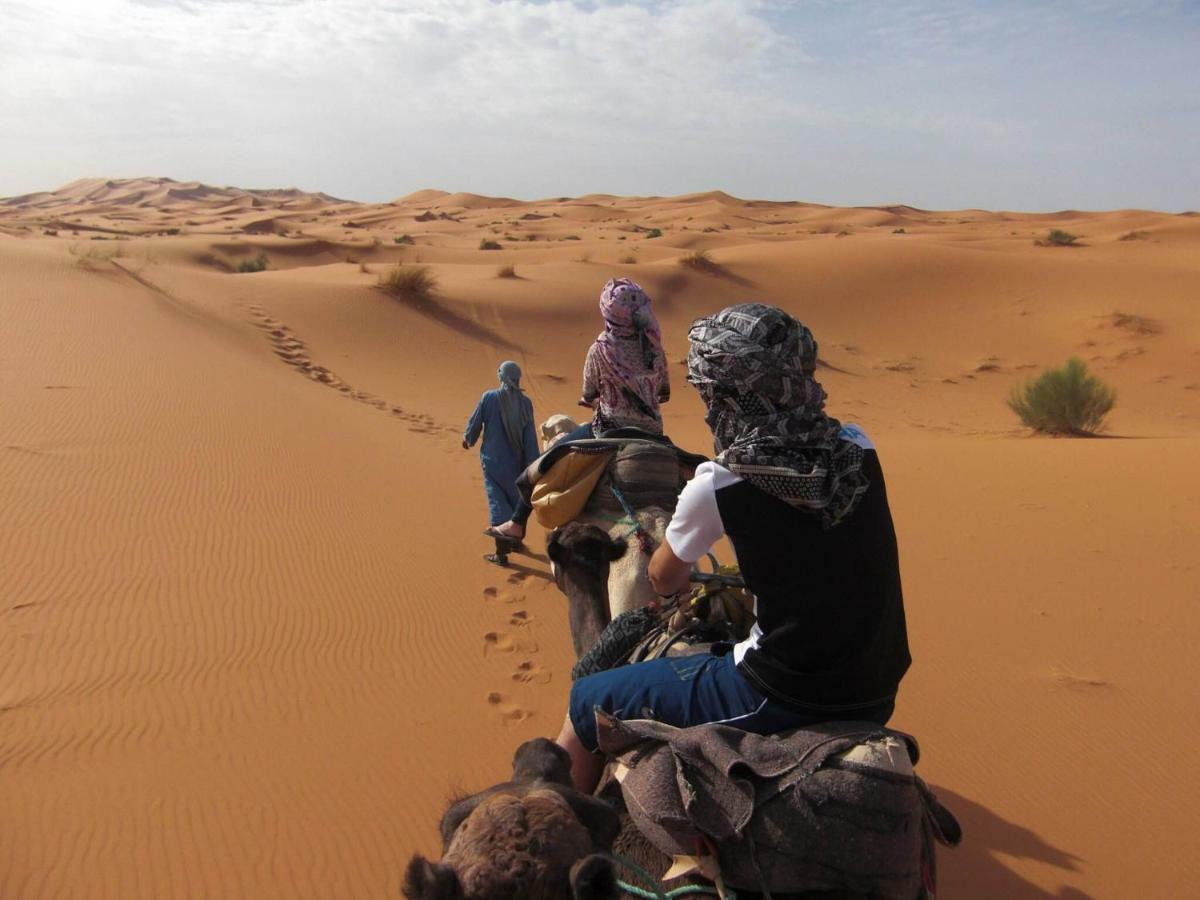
x=402, y=239
x=408, y=282
x=258, y=264
x=1063, y=401
x=1058, y=238
x=485, y=244
x=654, y=233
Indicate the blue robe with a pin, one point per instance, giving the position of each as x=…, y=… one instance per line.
x=501, y=465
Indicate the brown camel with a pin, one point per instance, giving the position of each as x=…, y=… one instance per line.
x=533, y=837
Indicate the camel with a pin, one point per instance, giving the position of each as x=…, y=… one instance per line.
x=652, y=501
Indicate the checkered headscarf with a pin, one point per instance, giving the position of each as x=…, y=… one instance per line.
x=753, y=364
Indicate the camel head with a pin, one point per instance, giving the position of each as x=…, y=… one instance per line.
x=533, y=837
x=555, y=428
x=580, y=557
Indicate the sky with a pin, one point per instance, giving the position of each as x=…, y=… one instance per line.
x=944, y=104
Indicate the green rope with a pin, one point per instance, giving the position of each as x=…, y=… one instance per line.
x=656, y=892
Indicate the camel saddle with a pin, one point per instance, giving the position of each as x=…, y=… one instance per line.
x=835, y=807
x=647, y=470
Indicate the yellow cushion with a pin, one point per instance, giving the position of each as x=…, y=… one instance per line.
x=561, y=493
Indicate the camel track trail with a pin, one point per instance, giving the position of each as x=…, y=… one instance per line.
x=292, y=351
x=217, y=640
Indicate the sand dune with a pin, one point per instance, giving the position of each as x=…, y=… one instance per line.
x=248, y=646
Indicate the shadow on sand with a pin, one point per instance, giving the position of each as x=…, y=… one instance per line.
x=530, y=570
x=977, y=868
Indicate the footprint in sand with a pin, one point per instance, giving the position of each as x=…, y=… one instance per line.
x=517, y=578
x=520, y=618
x=1067, y=679
x=509, y=713
x=490, y=593
x=529, y=672
x=503, y=642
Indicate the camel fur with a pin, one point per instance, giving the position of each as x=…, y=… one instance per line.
x=533, y=837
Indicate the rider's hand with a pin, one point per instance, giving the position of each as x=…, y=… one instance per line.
x=668, y=573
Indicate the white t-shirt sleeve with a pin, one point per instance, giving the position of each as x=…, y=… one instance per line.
x=696, y=524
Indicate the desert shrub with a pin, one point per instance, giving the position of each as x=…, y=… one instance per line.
x=408, y=282
x=92, y=257
x=1063, y=401
x=1135, y=236
x=1057, y=238
x=506, y=272
x=899, y=231
x=1139, y=325
x=257, y=264
x=485, y=244
x=402, y=239
x=701, y=262
x=572, y=237
x=629, y=260
x=654, y=233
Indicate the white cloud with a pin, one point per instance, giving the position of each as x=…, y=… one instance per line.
x=371, y=99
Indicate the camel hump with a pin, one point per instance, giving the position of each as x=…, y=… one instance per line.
x=647, y=473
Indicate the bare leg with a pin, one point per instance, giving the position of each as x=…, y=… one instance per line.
x=586, y=766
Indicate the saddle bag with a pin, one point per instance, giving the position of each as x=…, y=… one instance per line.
x=836, y=807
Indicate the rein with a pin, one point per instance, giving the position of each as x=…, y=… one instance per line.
x=657, y=892
x=645, y=542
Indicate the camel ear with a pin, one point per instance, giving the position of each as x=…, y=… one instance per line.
x=554, y=548
x=540, y=759
x=430, y=881
x=617, y=549
x=593, y=878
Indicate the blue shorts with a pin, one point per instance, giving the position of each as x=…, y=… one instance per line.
x=692, y=690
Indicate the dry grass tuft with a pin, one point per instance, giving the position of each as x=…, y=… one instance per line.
x=1139, y=325
x=1135, y=236
x=485, y=244
x=701, y=262
x=506, y=272
x=413, y=283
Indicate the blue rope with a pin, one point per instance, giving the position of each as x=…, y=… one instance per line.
x=656, y=892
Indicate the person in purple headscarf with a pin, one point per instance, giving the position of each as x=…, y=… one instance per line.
x=624, y=378
x=625, y=373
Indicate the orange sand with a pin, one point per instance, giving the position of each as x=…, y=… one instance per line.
x=247, y=643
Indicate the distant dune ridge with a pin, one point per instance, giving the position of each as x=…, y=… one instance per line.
x=248, y=645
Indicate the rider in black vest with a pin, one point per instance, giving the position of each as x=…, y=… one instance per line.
x=802, y=499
